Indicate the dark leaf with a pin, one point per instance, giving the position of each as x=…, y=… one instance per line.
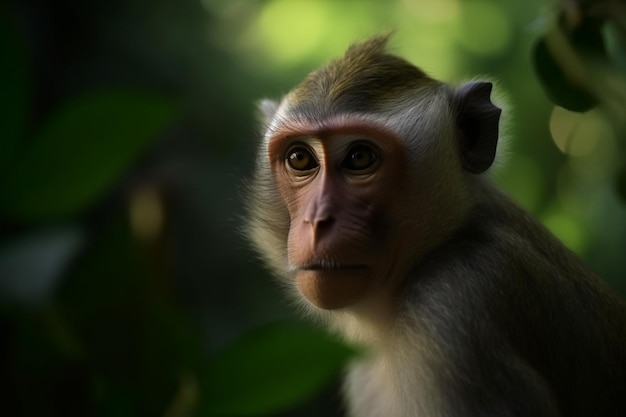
x=588, y=42
x=555, y=83
x=271, y=370
x=81, y=152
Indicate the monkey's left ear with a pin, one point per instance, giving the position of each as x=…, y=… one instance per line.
x=477, y=120
x=267, y=110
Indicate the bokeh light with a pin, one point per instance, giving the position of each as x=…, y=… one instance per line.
x=481, y=38
x=576, y=134
x=292, y=30
x=566, y=227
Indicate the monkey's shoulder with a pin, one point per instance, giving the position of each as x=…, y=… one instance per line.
x=502, y=258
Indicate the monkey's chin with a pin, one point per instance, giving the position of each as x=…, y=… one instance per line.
x=331, y=289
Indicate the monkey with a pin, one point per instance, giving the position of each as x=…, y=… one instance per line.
x=372, y=205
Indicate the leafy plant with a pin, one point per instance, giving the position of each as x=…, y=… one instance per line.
x=581, y=62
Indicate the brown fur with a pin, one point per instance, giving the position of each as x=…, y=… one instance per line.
x=365, y=79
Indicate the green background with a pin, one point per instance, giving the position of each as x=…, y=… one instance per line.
x=127, y=133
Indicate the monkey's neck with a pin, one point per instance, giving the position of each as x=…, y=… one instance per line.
x=368, y=322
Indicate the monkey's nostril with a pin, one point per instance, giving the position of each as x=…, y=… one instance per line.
x=323, y=223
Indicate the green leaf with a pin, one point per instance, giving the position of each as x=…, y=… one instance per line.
x=588, y=43
x=271, y=369
x=555, y=84
x=15, y=85
x=80, y=153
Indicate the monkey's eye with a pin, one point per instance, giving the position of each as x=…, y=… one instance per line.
x=360, y=157
x=300, y=159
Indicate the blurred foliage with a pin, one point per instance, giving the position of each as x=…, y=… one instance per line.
x=581, y=62
x=242, y=384
x=106, y=130
x=127, y=131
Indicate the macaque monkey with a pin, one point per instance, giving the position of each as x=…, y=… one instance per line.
x=371, y=205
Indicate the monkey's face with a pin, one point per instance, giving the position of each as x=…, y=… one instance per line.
x=337, y=190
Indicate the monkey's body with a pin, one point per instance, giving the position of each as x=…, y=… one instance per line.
x=501, y=320
x=369, y=205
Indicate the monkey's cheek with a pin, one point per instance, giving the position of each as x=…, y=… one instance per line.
x=331, y=290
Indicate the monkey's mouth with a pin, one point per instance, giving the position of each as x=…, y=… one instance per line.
x=330, y=266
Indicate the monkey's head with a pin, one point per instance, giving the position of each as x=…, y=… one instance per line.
x=364, y=167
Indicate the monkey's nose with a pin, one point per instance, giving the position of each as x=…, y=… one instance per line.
x=320, y=220
x=319, y=215
x=320, y=227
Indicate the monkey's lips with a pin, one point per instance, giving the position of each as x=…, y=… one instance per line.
x=333, y=286
x=319, y=266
